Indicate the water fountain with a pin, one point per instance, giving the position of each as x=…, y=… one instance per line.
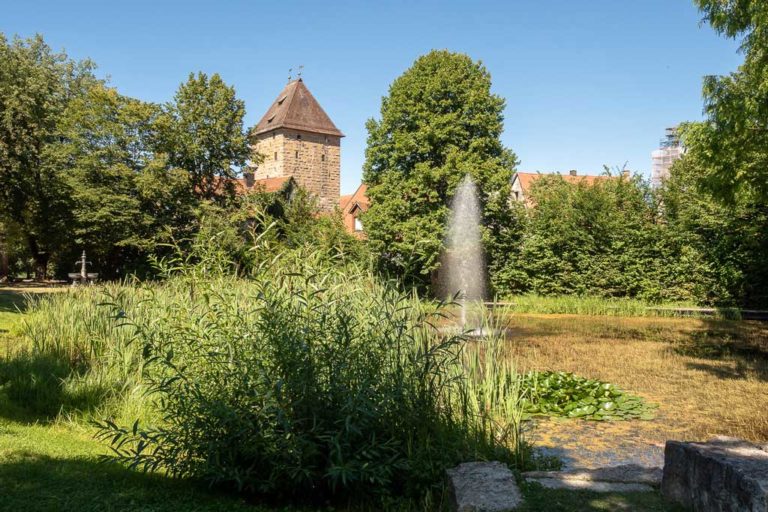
x=83, y=276
x=464, y=260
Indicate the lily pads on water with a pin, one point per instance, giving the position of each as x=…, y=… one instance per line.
x=563, y=394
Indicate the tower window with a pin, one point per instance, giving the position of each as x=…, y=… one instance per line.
x=275, y=155
x=358, y=224
x=296, y=154
x=322, y=158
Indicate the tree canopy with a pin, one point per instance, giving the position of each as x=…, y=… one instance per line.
x=202, y=132
x=439, y=122
x=36, y=86
x=733, y=142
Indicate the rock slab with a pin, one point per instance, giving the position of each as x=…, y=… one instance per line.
x=625, y=478
x=483, y=487
x=724, y=474
x=590, y=485
x=625, y=474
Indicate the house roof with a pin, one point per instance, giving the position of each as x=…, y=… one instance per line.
x=527, y=178
x=296, y=108
x=359, y=199
x=263, y=185
x=344, y=200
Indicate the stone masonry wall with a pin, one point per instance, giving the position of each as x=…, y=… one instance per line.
x=313, y=159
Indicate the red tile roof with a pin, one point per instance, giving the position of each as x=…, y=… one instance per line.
x=527, y=178
x=263, y=185
x=296, y=108
x=351, y=206
x=343, y=200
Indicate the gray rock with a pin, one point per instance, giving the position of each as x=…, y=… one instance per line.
x=724, y=474
x=591, y=485
x=626, y=474
x=483, y=487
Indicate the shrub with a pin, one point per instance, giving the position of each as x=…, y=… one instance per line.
x=312, y=381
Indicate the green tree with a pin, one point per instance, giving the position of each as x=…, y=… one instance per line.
x=36, y=85
x=733, y=143
x=586, y=238
x=202, y=133
x=439, y=122
x=123, y=195
x=726, y=242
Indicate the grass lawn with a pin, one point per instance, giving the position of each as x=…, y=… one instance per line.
x=55, y=466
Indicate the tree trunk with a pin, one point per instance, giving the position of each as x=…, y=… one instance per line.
x=40, y=257
x=4, y=273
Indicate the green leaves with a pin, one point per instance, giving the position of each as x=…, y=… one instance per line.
x=733, y=145
x=567, y=395
x=439, y=122
x=202, y=132
x=306, y=379
x=36, y=86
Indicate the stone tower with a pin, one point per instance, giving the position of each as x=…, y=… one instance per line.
x=297, y=138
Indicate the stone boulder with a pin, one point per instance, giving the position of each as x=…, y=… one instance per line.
x=483, y=487
x=724, y=474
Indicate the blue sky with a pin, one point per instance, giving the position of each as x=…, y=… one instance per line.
x=587, y=82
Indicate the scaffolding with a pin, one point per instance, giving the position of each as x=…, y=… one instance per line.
x=669, y=151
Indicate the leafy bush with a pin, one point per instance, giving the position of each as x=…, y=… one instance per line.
x=565, y=394
x=312, y=381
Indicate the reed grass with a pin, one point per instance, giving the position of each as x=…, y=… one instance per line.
x=596, y=306
x=302, y=376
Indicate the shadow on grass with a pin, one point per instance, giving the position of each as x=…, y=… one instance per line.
x=32, y=482
x=537, y=498
x=12, y=301
x=743, y=347
x=35, y=388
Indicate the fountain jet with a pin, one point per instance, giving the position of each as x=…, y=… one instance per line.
x=464, y=260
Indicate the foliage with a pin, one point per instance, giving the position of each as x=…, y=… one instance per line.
x=590, y=305
x=36, y=86
x=439, y=122
x=124, y=198
x=732, y=142
x=729, y=240
x=602, y=239
x=307, y=381
x=299, y=375
x=567, y=395
x=202, y=133
x=75, y=360
x=255, y=227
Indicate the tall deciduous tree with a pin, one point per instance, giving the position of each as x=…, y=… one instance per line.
x=733, y=143
x=729, y=239
x=122, y=193
x=439, y=122
x=202, y=133
x=36, y=86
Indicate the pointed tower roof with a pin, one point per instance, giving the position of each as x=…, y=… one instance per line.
x=296, y=108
